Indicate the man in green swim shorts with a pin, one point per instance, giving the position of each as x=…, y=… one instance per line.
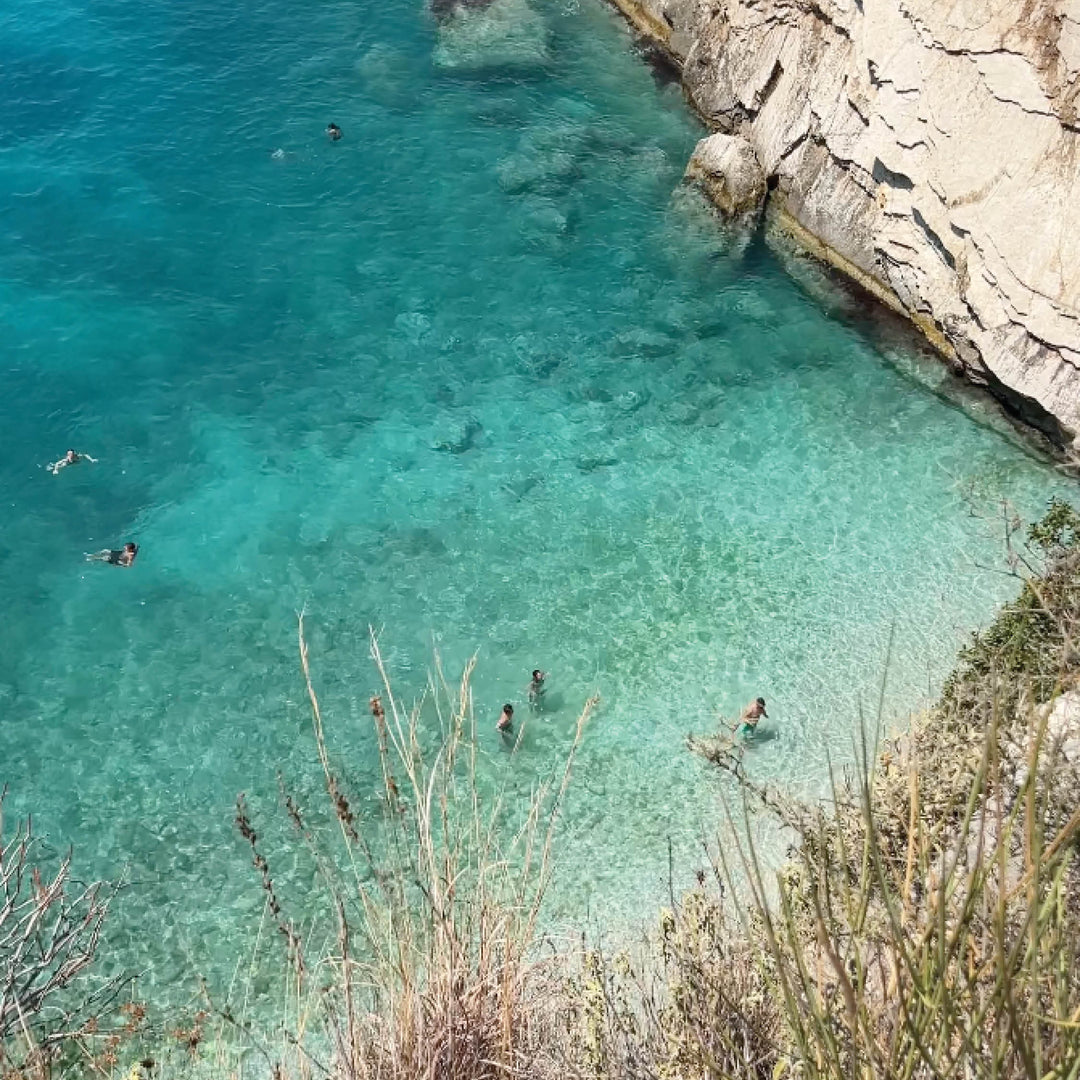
x=753, y=712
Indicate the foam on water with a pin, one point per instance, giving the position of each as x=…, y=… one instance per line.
x=481, y=375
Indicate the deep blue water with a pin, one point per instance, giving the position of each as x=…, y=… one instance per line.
x=674, y=474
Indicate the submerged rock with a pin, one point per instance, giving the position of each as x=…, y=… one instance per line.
x=727, y=169
x=591, y=462
x=389, y=78
x=547, y=160
x=542, y=224
x=491, y=34
x=520, y=488
x=461, y=439
x=629, y=401
x=642, y=341
x=693, y=232
x=414, y=325
x=536, y=170
x=444, y=9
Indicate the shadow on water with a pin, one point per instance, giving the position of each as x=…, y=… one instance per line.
x=889, y=334
x=552, y=703
x=761, y=738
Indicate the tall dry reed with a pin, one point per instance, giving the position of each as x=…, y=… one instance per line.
x=434, y=968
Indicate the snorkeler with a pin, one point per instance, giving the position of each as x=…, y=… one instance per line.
x=506, y=720
x=124, y=557
x=72, y=457
x=333, y=131
x=536, y=688
x=753, y=712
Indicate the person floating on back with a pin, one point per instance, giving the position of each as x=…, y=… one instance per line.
x=124, y=557
x=333, y=131
x=72, y=457
x=506, y=720
x=536, y=688
x=753, y=712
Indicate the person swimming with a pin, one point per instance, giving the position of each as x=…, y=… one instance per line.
x=506, y=720
x=72, y=457
x=748, y=720
x=333, y=131
x=536, y=688
x=124, y=557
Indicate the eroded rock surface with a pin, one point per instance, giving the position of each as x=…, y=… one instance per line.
x=727, y=169
x=929, y=148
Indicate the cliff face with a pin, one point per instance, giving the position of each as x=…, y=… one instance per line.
x=928, y=148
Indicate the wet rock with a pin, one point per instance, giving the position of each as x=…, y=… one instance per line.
x=727, y=169
x=592, y=462
x=461, y=440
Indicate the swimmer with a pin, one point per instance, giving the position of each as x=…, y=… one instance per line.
x=124, y=557
x=72, y=457
x=536, y=688
x=753, y=712
x=506, y=720
x=334, y=132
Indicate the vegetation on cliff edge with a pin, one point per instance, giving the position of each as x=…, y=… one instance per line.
x=927, y=923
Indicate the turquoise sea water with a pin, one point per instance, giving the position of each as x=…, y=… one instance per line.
x=668, y=473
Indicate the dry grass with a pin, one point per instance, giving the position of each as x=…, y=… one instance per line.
x=434, y=969
x=50, y=929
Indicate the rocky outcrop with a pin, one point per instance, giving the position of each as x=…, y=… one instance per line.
x=928, y=148
x=726, y=168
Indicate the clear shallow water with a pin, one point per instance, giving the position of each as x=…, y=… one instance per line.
x=681, y=482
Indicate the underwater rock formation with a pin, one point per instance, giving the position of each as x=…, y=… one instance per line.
x=479, y=35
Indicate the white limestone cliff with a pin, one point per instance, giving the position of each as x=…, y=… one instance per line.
x=928, y=148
